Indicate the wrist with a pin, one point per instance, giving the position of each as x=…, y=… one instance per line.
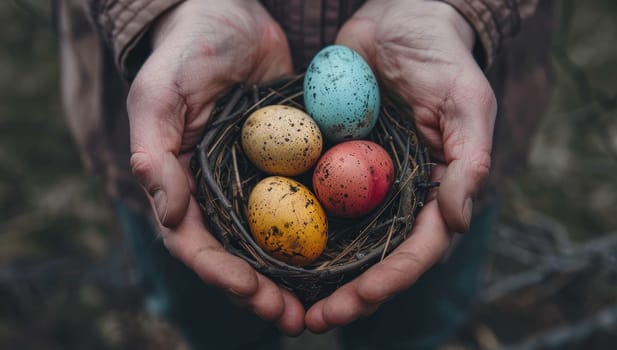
x=460, y=24
x=466, y=31
x=436, y=9
x=164, y=24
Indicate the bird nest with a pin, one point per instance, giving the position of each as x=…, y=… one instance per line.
x=225, y=177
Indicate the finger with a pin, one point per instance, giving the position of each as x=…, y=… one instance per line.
x=273, y=303
x=340, y=308
x=398, y=271
x=291, y=321
x=394, y=274
x=429, y=240
x=267, y=302
x=314, y=318
x=156, y=120
x=193, y=245
x=467, y=138
x=185, y=161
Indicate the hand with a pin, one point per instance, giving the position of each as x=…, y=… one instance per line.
x=421, y=50
x=200, y=49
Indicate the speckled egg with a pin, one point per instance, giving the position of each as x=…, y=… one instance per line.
x=353, y=178
x=287, y=220
x=281, y=140
x=341, y=94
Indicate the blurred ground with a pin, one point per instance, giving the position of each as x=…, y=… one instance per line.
x=66, y=281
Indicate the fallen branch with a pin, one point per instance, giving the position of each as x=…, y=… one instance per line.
x=602, y=250
x=559, y=337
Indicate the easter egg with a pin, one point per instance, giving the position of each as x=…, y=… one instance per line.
x=353, y=178
x=341, y=94
x=281, y=140
x=287, y=221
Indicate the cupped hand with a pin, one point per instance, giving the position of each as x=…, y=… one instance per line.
x=421, y=51
x=200, y=49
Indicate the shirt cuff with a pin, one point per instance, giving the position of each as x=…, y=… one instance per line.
x=493, y=21
x=123, y=24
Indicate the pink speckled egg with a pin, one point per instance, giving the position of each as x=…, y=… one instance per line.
x=352, y=178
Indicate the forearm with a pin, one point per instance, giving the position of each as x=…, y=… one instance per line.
x=122, y=23
x=493, y=21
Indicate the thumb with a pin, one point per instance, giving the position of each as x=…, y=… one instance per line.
x=156, y=126
x=165, y=180
x=467, y=132
x=274, y=58
x=357, y=34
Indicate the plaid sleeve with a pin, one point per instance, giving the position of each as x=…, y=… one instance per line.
x=122, y=24
x=493, y=21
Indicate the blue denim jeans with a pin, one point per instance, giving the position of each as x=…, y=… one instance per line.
x=423, y=317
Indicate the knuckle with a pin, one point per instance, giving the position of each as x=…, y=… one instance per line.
x=489, y=100
x=173, y=246
x=141, y=167
x=481, y=165
x=197, y=256
x=273, y=33
x=409, y=261
x=136, y=91
x=485, y=96
x=152, y=93
x=475, y=95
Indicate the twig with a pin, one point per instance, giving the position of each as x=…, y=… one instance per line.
x=576, y=260
x=559, y=337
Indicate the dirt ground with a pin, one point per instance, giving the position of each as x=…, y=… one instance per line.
x=67, y=279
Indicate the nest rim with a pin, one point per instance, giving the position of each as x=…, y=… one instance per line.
x=396, y=133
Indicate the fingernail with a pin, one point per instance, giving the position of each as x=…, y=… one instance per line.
x=467, y=211
x=160, y=203
x=237, y=299
x=234, y=292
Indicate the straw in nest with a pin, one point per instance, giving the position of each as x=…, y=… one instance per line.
x=225, y=177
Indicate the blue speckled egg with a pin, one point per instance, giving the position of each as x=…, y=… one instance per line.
x=341, y=94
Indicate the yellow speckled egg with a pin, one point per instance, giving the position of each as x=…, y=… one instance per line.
x=281, y=140
x=287, y=221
